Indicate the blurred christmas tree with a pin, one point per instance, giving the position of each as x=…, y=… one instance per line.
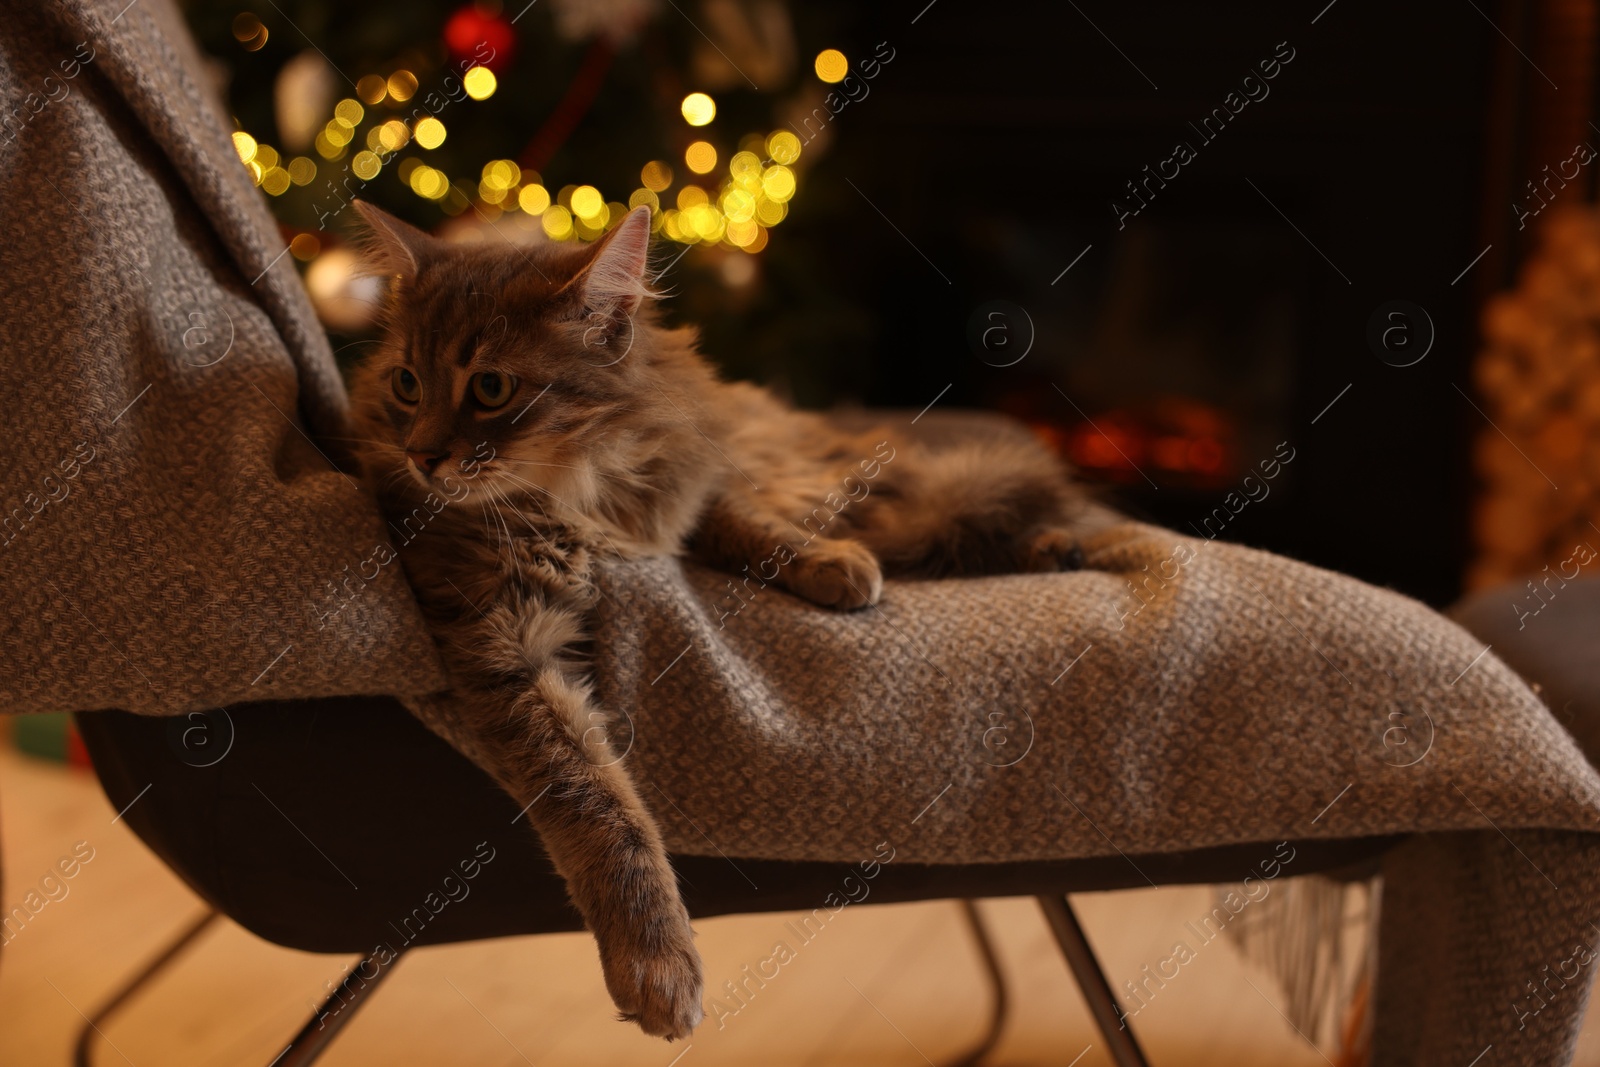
x=547, y=120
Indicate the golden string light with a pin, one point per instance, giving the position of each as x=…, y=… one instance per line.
x=429, y=132
x=749, y=200
x=249, y=32
x=701, y=157
x=698, y=109
x=831, y=66
x=479, y=82
x=402, y=84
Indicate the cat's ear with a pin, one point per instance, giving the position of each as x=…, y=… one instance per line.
x=391, y=246
x=614, y=282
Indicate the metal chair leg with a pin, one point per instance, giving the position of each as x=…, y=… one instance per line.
x=91, y=1026
x=325, y=1023
x=1092, y=983
x=1001, y=1002
x=307, y=1045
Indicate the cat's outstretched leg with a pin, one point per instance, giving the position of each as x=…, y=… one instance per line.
x=744, y=533
x=1051, y=548
x=548, y=748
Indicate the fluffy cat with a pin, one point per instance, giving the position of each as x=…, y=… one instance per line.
x=525, y=418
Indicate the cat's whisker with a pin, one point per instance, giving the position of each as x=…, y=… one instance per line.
x=376, y=446
x=494, y=506
x=538, y=531
x=564, y=504
x=487, y=520
x=352, y=344
x=518, y=512
x=627, y=480
x=533, y=527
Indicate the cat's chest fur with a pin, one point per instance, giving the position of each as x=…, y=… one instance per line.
x=498, y=556
x=504, y=601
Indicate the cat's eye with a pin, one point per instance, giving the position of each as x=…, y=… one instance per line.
x=406, y=386
x=492, y=390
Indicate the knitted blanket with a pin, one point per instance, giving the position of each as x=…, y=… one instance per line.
x=1177, y=693
x=174, y=535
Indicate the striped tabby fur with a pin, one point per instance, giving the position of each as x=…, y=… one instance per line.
x=526, y=417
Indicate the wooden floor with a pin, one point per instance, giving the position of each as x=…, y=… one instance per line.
x=880, y=986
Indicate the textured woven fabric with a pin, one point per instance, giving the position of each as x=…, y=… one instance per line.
x=1486, y=940
x=1234, y=697
x=170, y=536
x=1250, y=699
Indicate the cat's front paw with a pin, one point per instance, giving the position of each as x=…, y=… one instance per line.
x=837, y=574
x=1053, y=548
x=657, y=982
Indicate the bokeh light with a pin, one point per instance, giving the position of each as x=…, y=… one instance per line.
x=402, y=85
x=350, y=112
x=392, y=135
x=533, y=199
x=700, y=157
x=783, y=147
x=699, y=109
x=778, y=183
x=744, y=166
x=557, y=222
x=249, y=32
x=501, y=174
x=587, y=202
x=372, y=89
x=302, y=171
x=430, y=183
x=656, y=176
x=739, y=206
x=479, y=82
x=429, y=132
x=734, y=210
x=831, y=65
x=770, y=212
x=366, y=165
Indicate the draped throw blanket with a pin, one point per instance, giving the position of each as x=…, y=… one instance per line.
x=1177, y=693
x=173, y=535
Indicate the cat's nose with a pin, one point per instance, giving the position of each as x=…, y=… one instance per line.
x=427, y=461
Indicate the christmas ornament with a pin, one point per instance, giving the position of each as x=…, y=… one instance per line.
x=469, y=28
x=302, y=96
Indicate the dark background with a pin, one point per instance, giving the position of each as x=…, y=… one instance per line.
x=1235, y=308
x=1372, y=141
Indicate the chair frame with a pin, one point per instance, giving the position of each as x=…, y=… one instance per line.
x=341, y=1005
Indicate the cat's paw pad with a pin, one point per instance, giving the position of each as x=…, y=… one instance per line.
x=837, y=574
x=660, y=986
x=1053, y=548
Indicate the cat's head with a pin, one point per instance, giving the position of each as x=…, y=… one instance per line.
x=531, y=369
